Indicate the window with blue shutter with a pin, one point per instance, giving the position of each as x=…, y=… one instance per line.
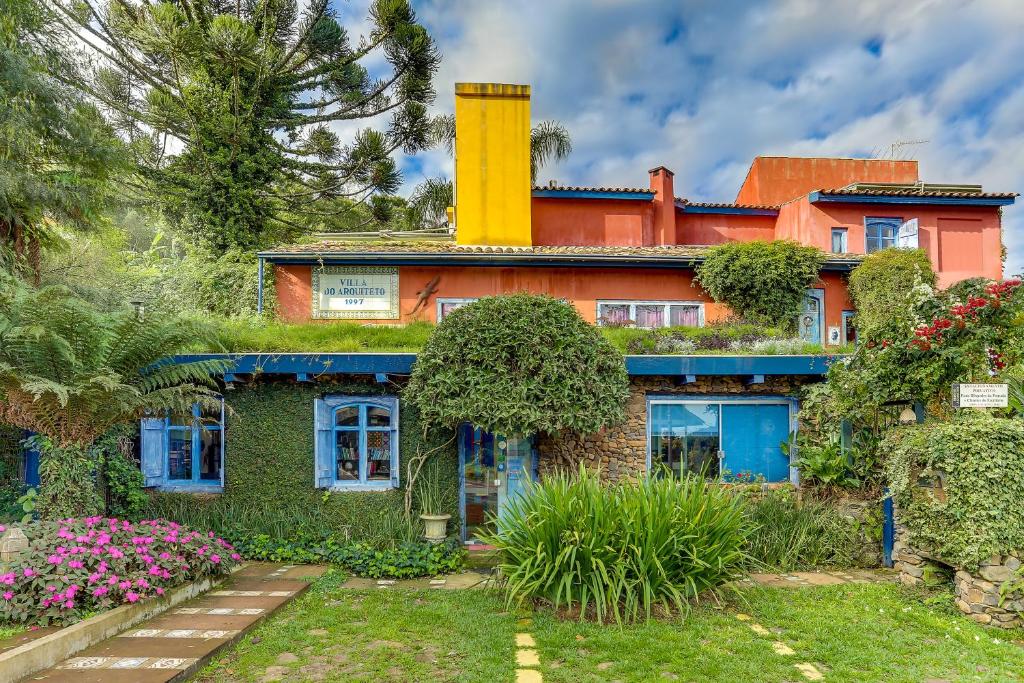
x=184, y=451
x=356, y=445
x=880, y=233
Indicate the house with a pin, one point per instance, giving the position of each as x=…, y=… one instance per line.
x=309, y=426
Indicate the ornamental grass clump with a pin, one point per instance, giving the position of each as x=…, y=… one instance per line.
x=618, y=550
x=78, y=566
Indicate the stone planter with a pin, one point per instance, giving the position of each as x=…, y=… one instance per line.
x=435, y=527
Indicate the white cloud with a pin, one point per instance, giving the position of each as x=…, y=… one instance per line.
x=704, y=87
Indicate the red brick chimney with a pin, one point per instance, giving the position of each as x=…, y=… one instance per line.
x=664, y=206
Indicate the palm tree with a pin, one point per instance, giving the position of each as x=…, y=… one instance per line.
x=69, y=373
x=549, y=141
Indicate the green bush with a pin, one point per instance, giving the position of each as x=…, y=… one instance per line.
x=121, y=474
x=786, y=535
x=522, y=363
x=884, y=289
x=405, y=561
x=761, y=281
x=618, y=549
x=977, y=459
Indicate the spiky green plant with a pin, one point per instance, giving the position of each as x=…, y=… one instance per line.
x=69, y=372
x=618, y=550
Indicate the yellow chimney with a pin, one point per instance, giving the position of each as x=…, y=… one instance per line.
x=492, y=164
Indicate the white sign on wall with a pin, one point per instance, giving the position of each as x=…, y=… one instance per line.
x=357, y=292
x=980, y=396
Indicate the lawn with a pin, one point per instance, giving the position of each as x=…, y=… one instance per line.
x=850, y=633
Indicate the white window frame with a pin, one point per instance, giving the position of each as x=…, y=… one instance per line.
x=633, y=303
x=452, y=300
x=845, y=234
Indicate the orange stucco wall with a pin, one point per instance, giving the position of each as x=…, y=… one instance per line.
x=775, y=180
x=704, y=228
x=582, y=286
x=591, y=222
x=962, y=242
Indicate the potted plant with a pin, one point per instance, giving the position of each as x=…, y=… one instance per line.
x=431, y=503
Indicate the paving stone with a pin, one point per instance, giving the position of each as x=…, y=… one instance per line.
x=287, y=658
x=319, y=632
x=782, y=649
x=809, y=671
x=820, y=578
x=524, y=640
x=743, y=617
x=760, y=630
x=527, y=657
x=604, y=666
x=528, y=676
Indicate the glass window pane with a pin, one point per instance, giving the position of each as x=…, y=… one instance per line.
x=613, y=314
x=378, y=456
x=649, y=316
x=839, y=240
x=347, y=451
x=688, y=316
x=179, y=455
x=684, y=438
x=347, y=416
x=209, y=464
x=378, y=417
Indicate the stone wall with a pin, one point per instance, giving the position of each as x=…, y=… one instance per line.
x=977, y=592
x=621, y=451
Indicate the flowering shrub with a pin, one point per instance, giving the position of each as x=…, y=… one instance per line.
x=76, y=566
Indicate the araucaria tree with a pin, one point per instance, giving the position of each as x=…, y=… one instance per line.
x=69, y=373
x=253, y=93
x=522, y=363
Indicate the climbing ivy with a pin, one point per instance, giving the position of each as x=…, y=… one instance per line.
x=977, y=459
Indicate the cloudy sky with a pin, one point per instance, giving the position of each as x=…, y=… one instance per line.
x=703, y=87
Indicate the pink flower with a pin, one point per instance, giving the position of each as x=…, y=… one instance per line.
x=131, y=597
x=51, y=588
x=236, y=557
x=154, y=570
x=112, y=580
x=215, y=558
x=75, y=564
x=165, y=556
x=55, y=559
x=142, y=583
x=28, y=572
x=69, y=604
x=8, y=595
x=124, y=585
x=102, y=590
x=159, y=590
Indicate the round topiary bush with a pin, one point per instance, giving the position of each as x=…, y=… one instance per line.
x=884, y=288
x=521, y=363
x=761, y=281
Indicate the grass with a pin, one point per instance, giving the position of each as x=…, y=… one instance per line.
x=875, y=632
x=253, y=335
x=11, y=630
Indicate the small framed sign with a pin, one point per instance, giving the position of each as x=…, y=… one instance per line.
x=980, y=396
x=367, y=293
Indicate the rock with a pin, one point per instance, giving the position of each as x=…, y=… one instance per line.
x=1012, y=563
x=604, y=666
x=916, y=571
x=963, y=606
x=982, y=618
x=319, y=632
x=287, y=658
x=995, y=574
x=274, y=673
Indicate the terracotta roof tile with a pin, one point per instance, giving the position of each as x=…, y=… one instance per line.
x=580, y=188
x=912, y=192
x=726, y=205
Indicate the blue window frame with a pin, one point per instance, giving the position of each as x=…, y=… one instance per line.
x=184, y=451
x=881, y=233
x=839, y=243
x=715, y=435
x=356, y=442
x=849, y=332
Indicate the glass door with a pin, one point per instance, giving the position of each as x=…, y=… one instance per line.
x=494, y=468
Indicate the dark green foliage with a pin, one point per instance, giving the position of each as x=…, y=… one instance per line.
x=121, y=476
x=977, y=459
x=57, y=153
x=786, y=534
x=269, y=472
x=67, y=478
x=250, y=91
x=406, y=561
x=760, y=281
x=523, y=363
x=884, y=288
x=619, y=549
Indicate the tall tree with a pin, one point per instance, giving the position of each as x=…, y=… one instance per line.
x=56, y=153
x=253, y=93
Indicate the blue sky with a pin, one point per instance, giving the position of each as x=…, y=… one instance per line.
x=703, y=87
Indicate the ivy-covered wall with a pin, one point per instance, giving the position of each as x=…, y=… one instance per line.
x=269, y=469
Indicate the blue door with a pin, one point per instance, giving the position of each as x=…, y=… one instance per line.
x=493, y=468
x=809, y=321
x=752, y=437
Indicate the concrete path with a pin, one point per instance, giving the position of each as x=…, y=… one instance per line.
x=833, y=577
x=174, y=644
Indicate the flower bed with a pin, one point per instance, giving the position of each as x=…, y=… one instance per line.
x=76, y=567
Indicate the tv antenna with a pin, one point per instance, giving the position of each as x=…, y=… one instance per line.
x=894, y=151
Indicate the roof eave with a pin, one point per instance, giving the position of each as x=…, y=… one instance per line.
x=592, y=194
x=820, y=197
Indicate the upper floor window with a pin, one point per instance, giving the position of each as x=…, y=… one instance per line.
x=356, y=442
x=839, y=244
x=650, y=314
x=184, y=450
x=880, y=233
x=446, y=306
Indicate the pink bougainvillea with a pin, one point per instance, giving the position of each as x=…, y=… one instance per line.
x=77, y=566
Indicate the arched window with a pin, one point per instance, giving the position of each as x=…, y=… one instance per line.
x=357, y=442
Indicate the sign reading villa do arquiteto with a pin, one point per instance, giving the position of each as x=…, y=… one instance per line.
x=980, y=395
x=369, y=292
